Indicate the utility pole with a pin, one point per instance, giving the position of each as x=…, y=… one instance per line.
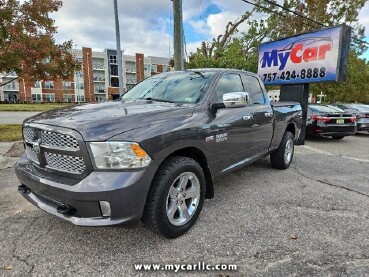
x=119, y=51
x=178, y=35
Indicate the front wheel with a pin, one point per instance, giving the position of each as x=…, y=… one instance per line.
x=282, y=157
x=176, y=197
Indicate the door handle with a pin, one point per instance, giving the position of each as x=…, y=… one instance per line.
x=268, y=114
x=247, y=117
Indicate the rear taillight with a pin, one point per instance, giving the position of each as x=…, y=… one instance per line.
x=321, y=118
x=353, y=119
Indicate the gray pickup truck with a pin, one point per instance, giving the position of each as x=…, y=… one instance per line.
x=154, y=154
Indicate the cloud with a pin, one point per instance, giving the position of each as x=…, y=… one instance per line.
x=146, y=26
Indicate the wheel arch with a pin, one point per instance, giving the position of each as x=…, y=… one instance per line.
x=199, y=156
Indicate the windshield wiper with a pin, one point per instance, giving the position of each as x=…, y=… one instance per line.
x=157, y=100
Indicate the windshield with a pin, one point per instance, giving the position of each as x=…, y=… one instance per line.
x=324, y=109
x=183, y=87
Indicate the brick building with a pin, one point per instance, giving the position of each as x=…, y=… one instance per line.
x=97, y=81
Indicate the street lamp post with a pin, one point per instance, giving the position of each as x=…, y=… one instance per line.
x=119, y=51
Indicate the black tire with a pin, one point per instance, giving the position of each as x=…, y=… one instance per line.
x=338, y=137
x=277, y=158
x=155, y=215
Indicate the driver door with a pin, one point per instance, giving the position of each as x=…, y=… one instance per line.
x=231, y=127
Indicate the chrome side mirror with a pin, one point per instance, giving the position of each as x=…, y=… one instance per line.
x=235, y=99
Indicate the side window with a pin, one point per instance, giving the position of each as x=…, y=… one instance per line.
x=228, y=83
x=254, y=90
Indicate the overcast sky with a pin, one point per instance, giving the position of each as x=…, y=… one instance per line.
x=146, y=25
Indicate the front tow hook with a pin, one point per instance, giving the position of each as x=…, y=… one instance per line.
x=23, y=189
x=65, y=209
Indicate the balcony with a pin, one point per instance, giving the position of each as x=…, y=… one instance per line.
x=131, y=69
x=99, y=91
x=98, y=67
x=99, y=79
x=131, y=81
x=11, y=87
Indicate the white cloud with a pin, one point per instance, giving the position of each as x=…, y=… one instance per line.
x=145, y=24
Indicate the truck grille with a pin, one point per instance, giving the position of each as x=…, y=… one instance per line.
x=58, y=140
x=53, y=150
x=31, y=154
x=65, y=163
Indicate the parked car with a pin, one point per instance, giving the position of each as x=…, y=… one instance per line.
x=327, y=120
x=155, y=154
x=361, y=112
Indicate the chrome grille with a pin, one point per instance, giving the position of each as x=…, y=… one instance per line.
x=29, y=133
x=65, y=163
x=58, y=140
x=31, y=154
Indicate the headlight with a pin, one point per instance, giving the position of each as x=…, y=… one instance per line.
x=119, y=155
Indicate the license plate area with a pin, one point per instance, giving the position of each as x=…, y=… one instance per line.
x=340, y=121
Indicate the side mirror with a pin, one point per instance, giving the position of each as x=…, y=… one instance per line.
x=235, y=99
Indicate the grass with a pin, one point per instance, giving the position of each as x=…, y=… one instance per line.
x=32, y=107
x=10, y=132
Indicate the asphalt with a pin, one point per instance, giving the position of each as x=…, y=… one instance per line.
x=309, y=220
x=15, y=117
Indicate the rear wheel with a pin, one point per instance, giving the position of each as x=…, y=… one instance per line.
x=176, y=197
x=338, y=137
x=282, y=157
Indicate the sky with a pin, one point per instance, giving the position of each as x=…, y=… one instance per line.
x=146, y=25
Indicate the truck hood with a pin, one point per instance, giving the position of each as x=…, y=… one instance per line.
x=99, y=122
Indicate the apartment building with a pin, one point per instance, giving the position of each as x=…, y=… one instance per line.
x=97, y=81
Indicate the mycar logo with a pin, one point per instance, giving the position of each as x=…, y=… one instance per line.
x=302, y=50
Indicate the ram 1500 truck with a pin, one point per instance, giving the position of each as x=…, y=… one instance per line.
x=155, y=153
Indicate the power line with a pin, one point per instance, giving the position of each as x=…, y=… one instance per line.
x=307, y=18
x=264, y=8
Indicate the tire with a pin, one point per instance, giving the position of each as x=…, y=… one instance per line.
x=283, y=156
x=165, y=208
x=338, y=137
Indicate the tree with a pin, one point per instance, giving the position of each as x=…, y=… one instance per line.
x=27, y=44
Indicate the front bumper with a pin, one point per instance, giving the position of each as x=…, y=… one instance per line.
x=125, y=191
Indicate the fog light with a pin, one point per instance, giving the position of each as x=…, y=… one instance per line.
x=105, y=208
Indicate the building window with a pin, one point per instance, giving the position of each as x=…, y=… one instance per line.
x=99, y=89
x=80, y=98
x=147, y=67
x=38, y=84
x=67, y=98
x=49, y=84
x=50, y=97
x=114, y=70
x=36, y=97
x=79, y=86
x=114, y=82
x=100, y=98
x=154, y=68
x=80, y=60
x=113, y=59
x=67, y=85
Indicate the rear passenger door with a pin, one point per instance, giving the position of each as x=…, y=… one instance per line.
x=262, y=114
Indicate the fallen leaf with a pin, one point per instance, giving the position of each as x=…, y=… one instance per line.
x=8, y=267
x=293, y=236
x=18, y=212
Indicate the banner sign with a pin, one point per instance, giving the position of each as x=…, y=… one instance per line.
x=319, y=56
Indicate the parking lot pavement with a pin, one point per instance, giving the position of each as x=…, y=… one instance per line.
x=312, y=219
x=15, y=117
